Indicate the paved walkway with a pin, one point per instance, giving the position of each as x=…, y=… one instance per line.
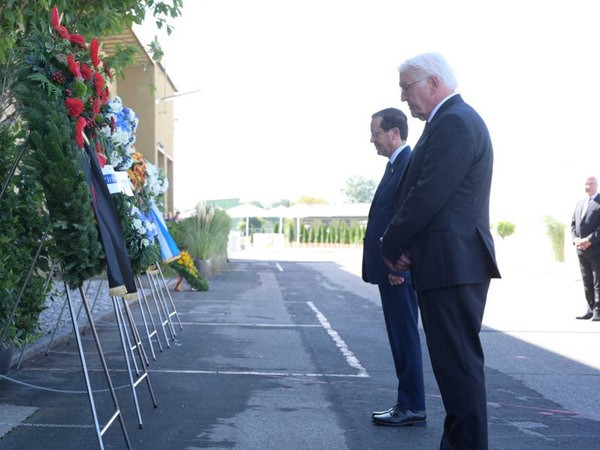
x=288, y=350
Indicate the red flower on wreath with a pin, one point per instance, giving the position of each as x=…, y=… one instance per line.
x=105, y=95
x=79, y=127
x=75, y=106
x=62, y=32
x=98, y=83
x=95, y=107
x=100, y=155
x=107, y=70
x=89, y=77
x=94, y=52
x=55, y=18
x=74, y=67
x=79, y=40
x=86, y=71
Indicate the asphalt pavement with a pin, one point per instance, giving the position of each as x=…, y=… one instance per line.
x=287, y=350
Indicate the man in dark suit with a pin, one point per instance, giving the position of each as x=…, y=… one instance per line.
x=389, y=131
x=441, y=231
x=585, y=231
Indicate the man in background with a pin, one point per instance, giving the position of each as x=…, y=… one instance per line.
x=585, y=231
x=389, y=131
x=441, y=229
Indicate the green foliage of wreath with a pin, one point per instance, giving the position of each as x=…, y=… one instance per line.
x=141, y=256
x=58, y=163
x=196, y=281
x=22, y=225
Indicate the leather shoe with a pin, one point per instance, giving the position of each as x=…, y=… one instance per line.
x=586, y=316
x=398, y=418
x=387, y=411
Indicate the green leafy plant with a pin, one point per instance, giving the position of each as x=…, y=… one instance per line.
x=555, y=230
x=23, y=222
x=505, y=229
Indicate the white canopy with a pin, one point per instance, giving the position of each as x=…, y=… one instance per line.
x=246, y=210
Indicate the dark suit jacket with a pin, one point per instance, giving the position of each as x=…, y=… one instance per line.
x=442, y=202
x=381, y=212
x=588, y=226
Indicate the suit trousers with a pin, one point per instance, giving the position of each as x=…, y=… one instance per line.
x=401, y=314
x=452, y=321
x=590, y=274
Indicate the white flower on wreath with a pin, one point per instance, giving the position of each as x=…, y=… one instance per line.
x=144, y=228
x=126, y=123
x=156, y=182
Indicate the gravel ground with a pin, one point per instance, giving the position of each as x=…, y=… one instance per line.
x=56, y=323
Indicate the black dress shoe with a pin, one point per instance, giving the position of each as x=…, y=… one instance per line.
x=399, y=418
x=586, y=316
x=387, y=411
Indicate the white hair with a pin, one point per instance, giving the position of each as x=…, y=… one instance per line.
x=428, y=64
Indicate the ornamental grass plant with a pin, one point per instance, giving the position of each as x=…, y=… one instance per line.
x=555, y=230
x=204, y=235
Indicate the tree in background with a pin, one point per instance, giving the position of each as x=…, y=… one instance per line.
x=311, y=200
x=505, y=229
x=89, y=19
x=359, y=189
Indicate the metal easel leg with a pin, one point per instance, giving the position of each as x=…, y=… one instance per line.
x=134, y=383
x=163, y=322
x=166, y=289
x=118, y=414
x=161, y=302
x=140, y=348
x=148, y=333
x=136, y=336
x=144, y=305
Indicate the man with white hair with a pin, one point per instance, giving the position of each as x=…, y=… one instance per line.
x=441, y=231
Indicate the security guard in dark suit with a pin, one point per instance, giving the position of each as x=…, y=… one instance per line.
x=585, y=231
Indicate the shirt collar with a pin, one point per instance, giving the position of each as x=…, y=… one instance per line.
x=397, y=152
x=439, y=105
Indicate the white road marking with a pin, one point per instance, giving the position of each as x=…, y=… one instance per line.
x=248, y=324
x=339, y=342
x=279, y=267
x=214, y=372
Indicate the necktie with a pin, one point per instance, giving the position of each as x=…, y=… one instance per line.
x=586, y=205
x=389, y=168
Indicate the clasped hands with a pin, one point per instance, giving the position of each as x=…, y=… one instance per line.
x=581, y=244
x=402, y=264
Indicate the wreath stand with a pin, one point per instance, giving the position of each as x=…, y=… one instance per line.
x=164, y=310
x=119, y=306
x=117, y=410
x=62, y=310
x=154, y=331
x=126, y=342
x=117, y=414
x=160, y=285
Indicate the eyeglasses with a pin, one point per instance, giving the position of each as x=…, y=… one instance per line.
x=377, y=133
x=406, y=89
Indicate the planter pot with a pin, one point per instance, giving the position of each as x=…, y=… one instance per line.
x=203, y=266
x=6, y=354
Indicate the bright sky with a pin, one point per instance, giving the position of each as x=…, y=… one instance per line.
x=288, y=89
